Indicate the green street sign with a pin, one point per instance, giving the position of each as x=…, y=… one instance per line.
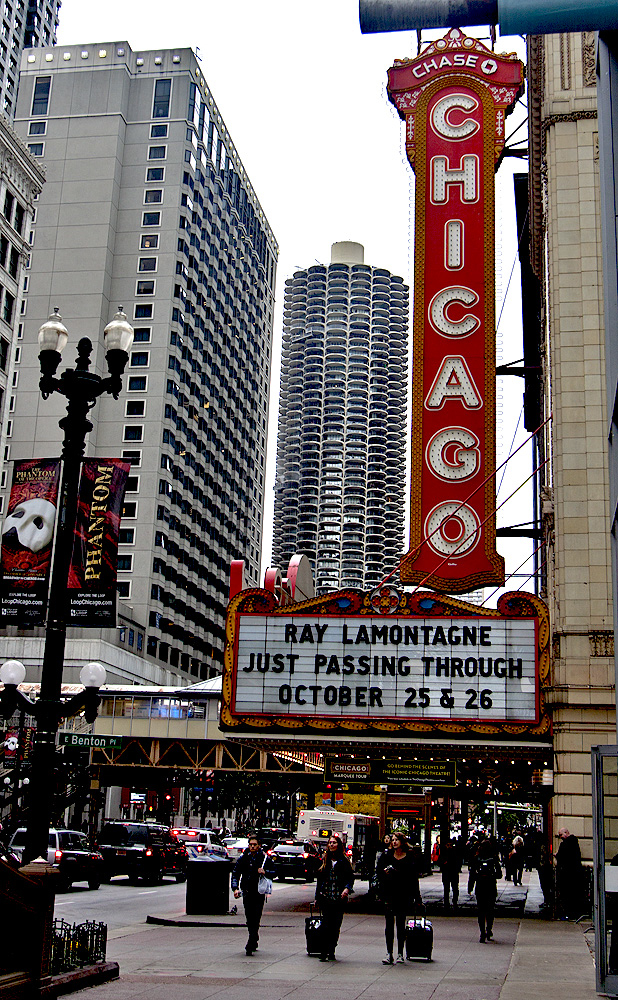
x=88, y=741
x=437, y=773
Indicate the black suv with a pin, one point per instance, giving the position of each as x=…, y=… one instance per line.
x=141, y=850
x=271, y=835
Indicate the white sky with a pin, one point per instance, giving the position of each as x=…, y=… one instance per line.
x=303, y=95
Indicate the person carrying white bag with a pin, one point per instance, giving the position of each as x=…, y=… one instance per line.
x=250, y=880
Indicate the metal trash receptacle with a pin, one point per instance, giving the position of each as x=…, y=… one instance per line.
x=208, y=886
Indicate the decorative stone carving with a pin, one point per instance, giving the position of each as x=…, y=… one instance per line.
x=589, y=59
x=601, y=643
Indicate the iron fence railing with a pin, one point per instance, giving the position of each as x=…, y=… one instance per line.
x=76, y=945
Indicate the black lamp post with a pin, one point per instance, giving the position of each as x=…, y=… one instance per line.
x=81, y=388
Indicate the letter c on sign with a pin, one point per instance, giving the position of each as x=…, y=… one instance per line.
x=452, y=529
x=441, y=117
x=453, y=454
x=446, y=324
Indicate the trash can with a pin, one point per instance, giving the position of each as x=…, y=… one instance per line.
x=208, y=886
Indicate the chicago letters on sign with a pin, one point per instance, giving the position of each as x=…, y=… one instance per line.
x=454, y=98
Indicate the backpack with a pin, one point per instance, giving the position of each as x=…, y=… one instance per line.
x=487, y=868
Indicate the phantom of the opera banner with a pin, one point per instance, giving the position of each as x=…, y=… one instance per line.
x=93, y=571
x=27, y=539
x=454, y=98
x=386, y=662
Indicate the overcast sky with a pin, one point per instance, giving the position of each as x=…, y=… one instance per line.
x=303, y=95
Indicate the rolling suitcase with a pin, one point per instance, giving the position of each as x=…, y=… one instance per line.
x=313, y=933
x=419, y=938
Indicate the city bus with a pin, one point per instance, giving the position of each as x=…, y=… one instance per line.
x=359, y=833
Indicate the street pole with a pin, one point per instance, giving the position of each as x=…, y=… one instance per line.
x=82, y=389
x=75, y=425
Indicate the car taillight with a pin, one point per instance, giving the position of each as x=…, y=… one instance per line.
x=305, y=854
x=58, y=855
x=148, y=852
x=270, y=852
x=97, y=857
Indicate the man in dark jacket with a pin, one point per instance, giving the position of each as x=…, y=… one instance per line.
x=450, y=862
x=569, y=876
x=246, y=874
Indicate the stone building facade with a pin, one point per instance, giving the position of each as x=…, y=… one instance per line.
x=566, y=255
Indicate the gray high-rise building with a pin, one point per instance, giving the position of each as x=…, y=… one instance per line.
x=25, y=24
x=148, y=204
x=340, y=491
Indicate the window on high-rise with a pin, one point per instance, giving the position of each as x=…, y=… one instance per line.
x=13, y=262
x=7, y=311
x=161, y=103
x=40, y=99
x=18, y=221
x=9, y=202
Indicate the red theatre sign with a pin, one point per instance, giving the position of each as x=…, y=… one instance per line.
x=454, y=99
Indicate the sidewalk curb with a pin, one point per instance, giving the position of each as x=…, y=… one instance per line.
x=188, y=922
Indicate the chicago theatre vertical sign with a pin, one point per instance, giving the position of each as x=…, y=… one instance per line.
x=454, y=98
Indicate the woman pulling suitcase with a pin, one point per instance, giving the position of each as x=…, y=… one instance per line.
x=335, y=880
x=398, y=889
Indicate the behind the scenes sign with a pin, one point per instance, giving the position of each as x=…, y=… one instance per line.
x=460, y=668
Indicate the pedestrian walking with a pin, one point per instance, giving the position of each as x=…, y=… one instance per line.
x=382, y=849
x=250, y=867
x=435, y=851
x=334, y=883
x=484, y=872
x=398, y=889
x=569, y=876
x=450, y=862
x=518, y=859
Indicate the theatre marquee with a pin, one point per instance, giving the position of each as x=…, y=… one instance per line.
x=386, y=662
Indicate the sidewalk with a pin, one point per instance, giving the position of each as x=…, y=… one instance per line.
x=198, y=958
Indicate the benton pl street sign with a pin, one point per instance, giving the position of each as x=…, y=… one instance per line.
x=87, y=740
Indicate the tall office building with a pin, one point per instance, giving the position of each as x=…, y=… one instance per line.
x=147, y=204
x=340, y=491
x=21, y=181
x=25, y=24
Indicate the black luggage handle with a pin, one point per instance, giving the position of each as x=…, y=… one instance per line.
x=423, y=913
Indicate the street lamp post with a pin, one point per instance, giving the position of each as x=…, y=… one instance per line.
x=81, y=388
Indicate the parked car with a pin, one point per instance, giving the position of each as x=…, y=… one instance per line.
x=294, y=859
x=201, y=842
x=142, y=850
x=69, y=851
